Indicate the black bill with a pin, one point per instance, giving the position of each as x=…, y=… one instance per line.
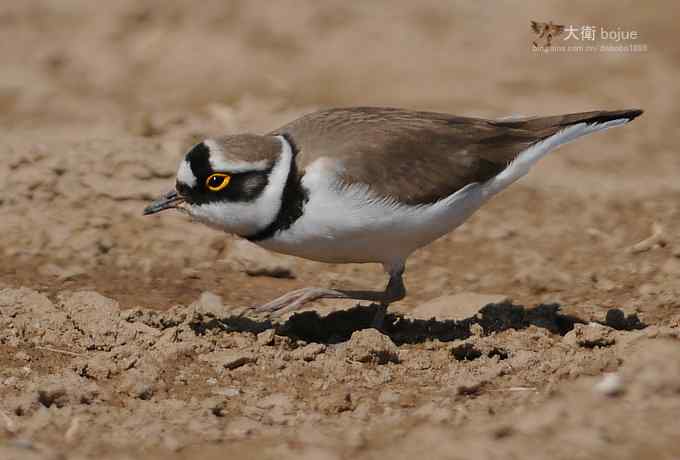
x=170, y=200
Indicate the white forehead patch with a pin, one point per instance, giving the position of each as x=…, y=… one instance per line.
x=218, y=162
x=185, y=175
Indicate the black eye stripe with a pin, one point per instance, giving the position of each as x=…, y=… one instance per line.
x=246, y=186
x=242, y=187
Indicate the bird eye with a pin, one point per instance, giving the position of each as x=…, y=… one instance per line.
x=217, y=181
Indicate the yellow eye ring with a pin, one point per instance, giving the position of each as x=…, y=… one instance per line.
x=216, y=182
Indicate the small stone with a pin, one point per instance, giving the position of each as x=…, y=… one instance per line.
x=191, y=273
x=266, y=337
x=369, y=345
x=476, y=330
x=455, y=307
x=105, y=244
x=611, y=384
x=208, y=302
x=142, y=390
x=228, y=359
x=590, y=336
x=309, y=352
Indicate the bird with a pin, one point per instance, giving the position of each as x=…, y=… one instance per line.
x=546, y=30
x=363, y=184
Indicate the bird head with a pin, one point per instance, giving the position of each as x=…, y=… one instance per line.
x=233, y=183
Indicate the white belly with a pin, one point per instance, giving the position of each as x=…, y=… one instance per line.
x=343, y=224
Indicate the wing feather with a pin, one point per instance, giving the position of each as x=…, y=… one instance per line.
x=418, y=157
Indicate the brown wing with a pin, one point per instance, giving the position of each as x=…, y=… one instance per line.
x=420, y=157
x=537, y=27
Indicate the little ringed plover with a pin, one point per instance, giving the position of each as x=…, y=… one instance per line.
x=363, y=184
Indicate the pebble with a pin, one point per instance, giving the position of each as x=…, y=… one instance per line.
x=590, y=336
x=309, y=352
x=611, y=384
x=337, y=402
x=369, y=345
x=228, y=359
x=208, y=301
x=266, y=337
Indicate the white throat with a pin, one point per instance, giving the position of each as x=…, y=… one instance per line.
x=248, y=218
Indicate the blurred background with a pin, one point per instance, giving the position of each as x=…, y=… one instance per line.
x=75, y=61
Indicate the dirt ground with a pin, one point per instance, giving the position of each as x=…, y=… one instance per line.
x=124, y=337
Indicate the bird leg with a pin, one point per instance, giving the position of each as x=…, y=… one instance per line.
x=293, y=300
x=394, y=291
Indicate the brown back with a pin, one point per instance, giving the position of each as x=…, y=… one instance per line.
x=421, y=157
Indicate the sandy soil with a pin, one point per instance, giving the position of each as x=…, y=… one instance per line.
x=121, y=336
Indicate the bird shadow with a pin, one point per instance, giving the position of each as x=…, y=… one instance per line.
x=338, y=326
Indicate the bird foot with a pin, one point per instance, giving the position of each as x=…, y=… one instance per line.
x=294, y=300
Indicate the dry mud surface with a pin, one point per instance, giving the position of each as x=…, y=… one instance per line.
x=548, y=326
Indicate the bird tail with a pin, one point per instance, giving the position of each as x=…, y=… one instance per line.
x=553, y=132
